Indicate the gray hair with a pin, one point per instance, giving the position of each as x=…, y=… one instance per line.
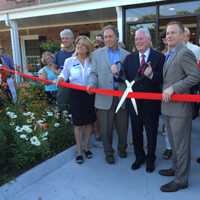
x=66, y=33
x=145, y=31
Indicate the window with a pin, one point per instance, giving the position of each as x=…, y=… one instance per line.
x=180, y=9
x=134, y=15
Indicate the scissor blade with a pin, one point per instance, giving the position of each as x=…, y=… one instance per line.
x=122, y=99
x=134, y=105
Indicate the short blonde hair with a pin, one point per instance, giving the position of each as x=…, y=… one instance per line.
x=45, y=55
x=87, y=43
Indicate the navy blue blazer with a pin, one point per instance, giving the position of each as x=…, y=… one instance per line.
x=144, y=84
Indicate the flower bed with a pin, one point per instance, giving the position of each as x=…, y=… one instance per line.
x=31, y=132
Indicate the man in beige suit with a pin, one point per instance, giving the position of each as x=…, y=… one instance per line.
x=106, y=68
x=180, y=73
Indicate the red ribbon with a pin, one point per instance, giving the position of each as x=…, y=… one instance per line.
x=109, y=92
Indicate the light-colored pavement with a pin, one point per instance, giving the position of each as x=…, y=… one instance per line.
x=96, y=180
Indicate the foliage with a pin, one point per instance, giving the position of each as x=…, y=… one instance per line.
x=50, y=46
x=31, y=132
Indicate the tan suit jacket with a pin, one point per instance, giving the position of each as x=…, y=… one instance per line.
x=102, y=77
x=180, y=72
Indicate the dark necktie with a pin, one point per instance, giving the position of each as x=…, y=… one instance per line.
x=142, y=60
x=142, y=65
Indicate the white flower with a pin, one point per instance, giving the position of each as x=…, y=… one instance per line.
x=34, y=141
x=40, y=122
x=44, y=138
x=70, y=115
x=56, y=125
x=27, y=128
x=65, y=113
x=12, y=123
x=13, y=116
x=28, y=113
x=18, y=129
x=23, y=136
x=50, y=114
x=45, y=134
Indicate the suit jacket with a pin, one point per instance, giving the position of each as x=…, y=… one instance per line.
x=180, y=72
x=144, y=84
x=102, y=77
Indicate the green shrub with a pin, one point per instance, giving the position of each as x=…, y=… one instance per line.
x=31, y=132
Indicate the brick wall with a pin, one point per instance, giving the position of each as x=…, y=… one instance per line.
x=50, y=33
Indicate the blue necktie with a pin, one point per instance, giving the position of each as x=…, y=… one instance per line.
x=167, y=56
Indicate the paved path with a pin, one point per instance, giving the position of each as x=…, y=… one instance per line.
x=96, y=180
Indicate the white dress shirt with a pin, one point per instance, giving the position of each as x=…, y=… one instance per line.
x=146, y=55
x=75, y=71
x=195, y=49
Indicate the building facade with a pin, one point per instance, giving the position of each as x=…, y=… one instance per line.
x=24, y=24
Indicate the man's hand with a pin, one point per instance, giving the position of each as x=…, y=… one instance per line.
x=167, y=93
x=148, y=72
x=114, y=69
x=88, y=89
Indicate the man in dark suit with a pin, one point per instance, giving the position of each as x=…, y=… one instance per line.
x=145, y=67
x=180, y=73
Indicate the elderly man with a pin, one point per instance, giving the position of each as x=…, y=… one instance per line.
x=194, y=48
x=105, y=74
x=67, y=39
x=180, y=73
x=145, y=67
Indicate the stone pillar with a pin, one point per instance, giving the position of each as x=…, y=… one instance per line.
x=16, y=51
x=120, y=22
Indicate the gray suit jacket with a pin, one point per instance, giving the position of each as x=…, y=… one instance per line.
x=180, y=72
x=101, y=76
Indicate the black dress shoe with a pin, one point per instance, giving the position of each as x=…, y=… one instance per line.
x=167, y=154
x=150, y=167
x=167, y=172
x=198, y=160
x=110, y=159
x=137, y=164
x=173, y=187
x=88, y=154
x=79, y=159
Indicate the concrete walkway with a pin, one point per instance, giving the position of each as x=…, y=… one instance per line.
x=62, y=179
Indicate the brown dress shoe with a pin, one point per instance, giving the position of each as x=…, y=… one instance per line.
x=173, y=187
x=167, y=172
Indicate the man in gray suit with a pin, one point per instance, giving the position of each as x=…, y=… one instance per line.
x=180, y=73
x=106, y=70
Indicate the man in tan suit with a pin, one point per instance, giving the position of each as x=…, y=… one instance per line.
x=180, y=73
x=105, y=73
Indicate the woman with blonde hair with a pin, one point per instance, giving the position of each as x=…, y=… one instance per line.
x=76, y=70
x=49, y=72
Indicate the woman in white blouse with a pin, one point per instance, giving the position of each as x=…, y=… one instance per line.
x=76, y=70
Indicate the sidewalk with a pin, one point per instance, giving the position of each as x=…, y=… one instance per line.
x=96, y=180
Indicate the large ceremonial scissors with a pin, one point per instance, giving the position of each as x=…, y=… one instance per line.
x=126, y=92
